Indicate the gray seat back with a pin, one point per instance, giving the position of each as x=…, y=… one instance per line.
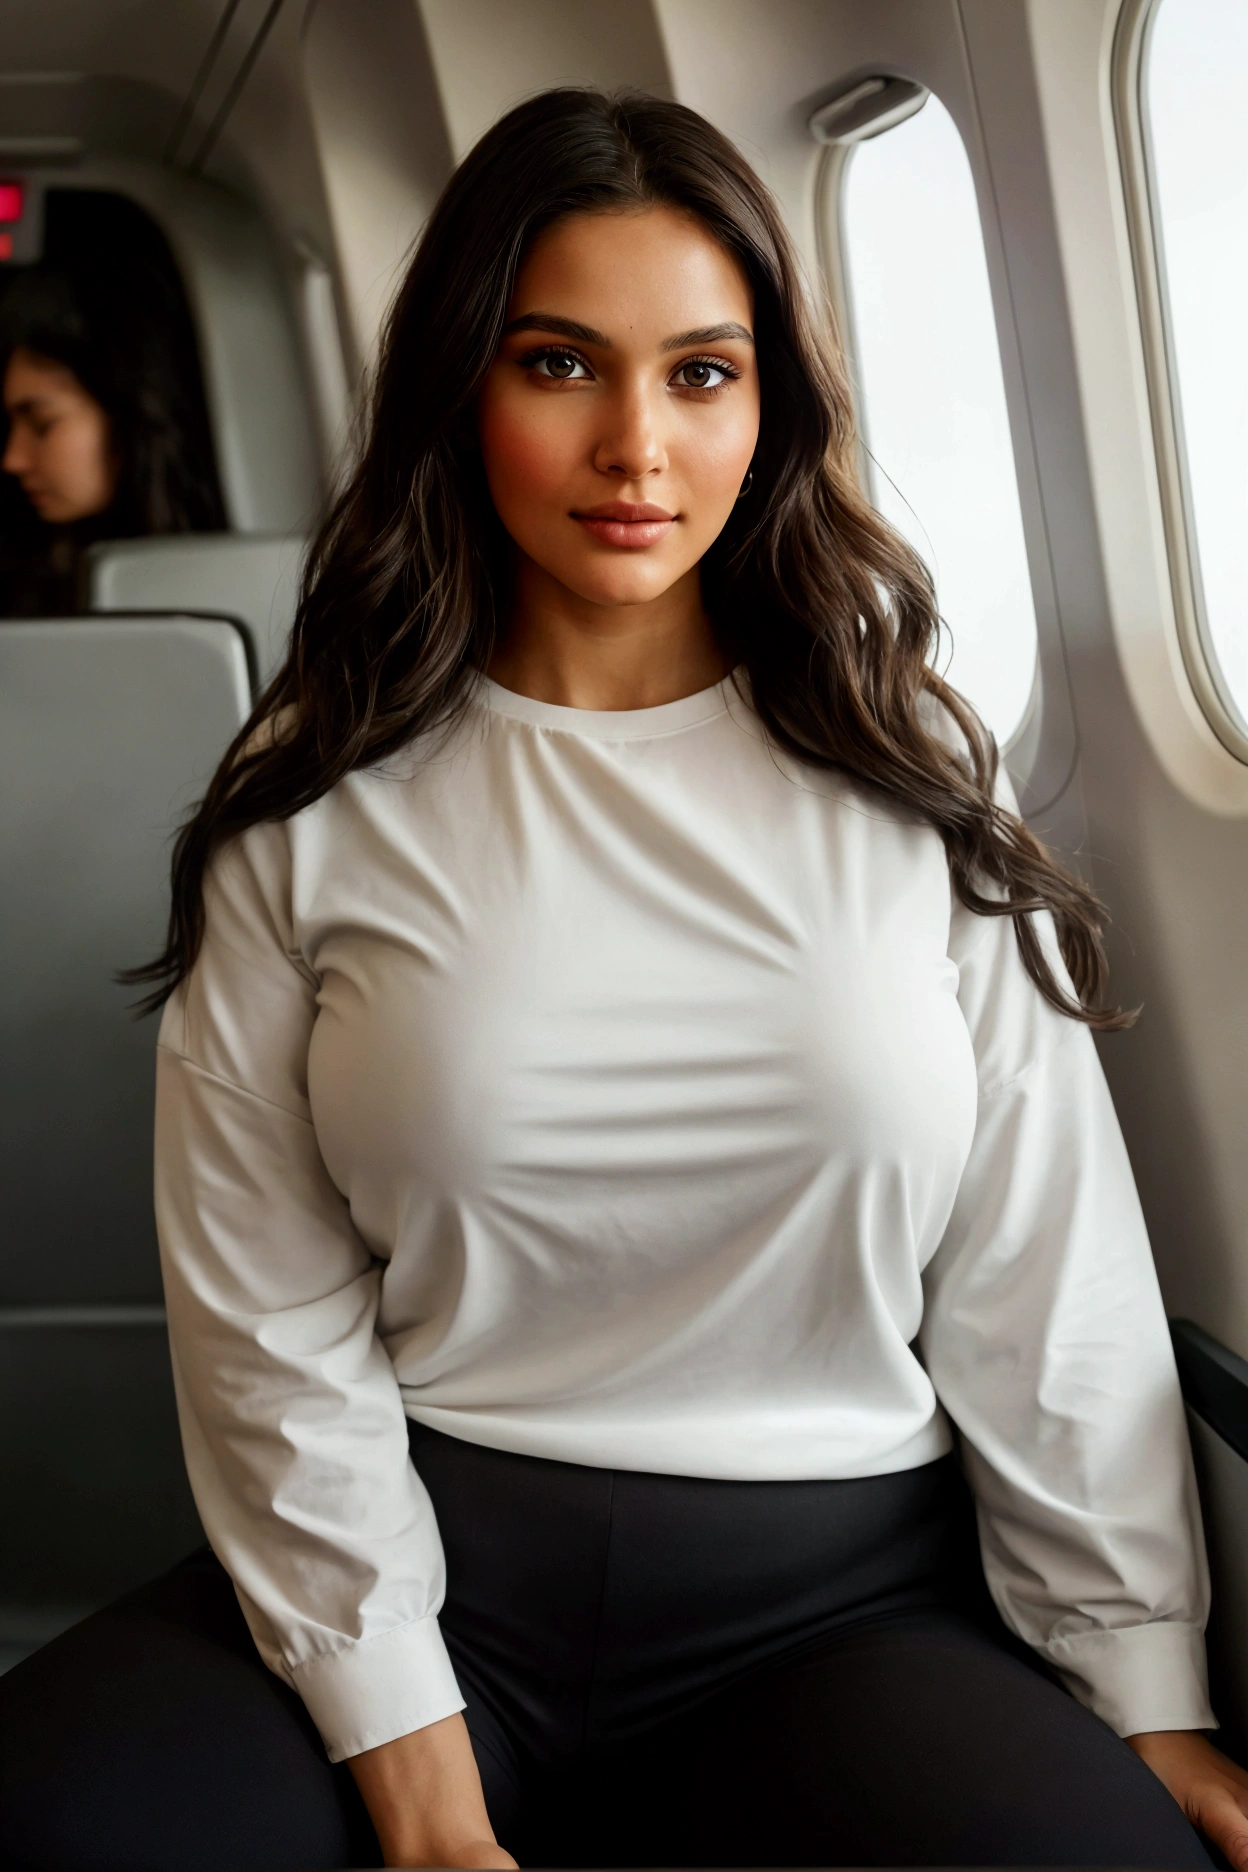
x=109, y=731
x=248, y=576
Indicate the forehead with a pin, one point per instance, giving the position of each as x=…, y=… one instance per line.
x=29, y=378
x=639, y=275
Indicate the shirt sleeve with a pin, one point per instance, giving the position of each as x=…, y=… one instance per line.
x=292, y=1422
x=1045, y=1338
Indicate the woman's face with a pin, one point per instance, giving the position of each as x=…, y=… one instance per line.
x=618, y=420
x=58, y=445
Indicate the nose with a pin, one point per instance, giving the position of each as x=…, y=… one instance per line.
x=633, y=445
x=16, y=458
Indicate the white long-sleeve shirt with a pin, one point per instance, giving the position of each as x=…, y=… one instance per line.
x=611, y=1087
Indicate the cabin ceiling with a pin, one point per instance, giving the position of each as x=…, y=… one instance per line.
x=161, y=41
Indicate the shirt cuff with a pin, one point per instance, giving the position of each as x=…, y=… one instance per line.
x=1138, y=1677
x=371, y=1692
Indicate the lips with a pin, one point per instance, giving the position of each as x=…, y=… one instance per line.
x=631, y=524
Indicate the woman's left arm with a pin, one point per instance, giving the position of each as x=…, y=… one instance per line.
x=1045, y=1338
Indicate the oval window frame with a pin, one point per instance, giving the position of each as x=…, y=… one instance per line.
x=1129, y=79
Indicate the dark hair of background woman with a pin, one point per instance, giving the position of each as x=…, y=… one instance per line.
x=830, y=612
x=107, y=302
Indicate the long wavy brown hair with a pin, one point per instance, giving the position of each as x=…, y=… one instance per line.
x=831, y=614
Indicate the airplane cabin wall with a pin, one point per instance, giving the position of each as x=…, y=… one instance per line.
x=382, y=143
x=1167, y=803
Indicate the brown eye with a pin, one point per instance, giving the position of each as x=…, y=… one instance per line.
x=698, y=374
x=562, y=365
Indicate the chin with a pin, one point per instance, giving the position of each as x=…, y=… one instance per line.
x=621, y=584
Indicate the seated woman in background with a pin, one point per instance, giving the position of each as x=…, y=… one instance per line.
x=107, y=427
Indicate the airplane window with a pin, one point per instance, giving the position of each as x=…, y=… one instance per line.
x=1194, y=93
x=932, y=400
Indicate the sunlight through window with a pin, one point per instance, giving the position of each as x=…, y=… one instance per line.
x=932, y=400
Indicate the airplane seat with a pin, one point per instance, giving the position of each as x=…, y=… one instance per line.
x=109, y=730
x=250, y=577
x=1215, y=1390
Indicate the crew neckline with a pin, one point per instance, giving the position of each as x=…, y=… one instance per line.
x=609, y=724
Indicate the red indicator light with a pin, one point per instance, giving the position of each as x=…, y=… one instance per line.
x=6, y=246
x=11, y=194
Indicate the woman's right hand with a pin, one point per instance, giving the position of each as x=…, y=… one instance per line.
x=424, y=1797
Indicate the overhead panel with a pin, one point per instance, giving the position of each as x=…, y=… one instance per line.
x=489, y=54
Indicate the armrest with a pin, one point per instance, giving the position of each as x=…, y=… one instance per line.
x=1214, y=1381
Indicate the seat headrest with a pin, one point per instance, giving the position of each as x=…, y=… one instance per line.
x=251, y=577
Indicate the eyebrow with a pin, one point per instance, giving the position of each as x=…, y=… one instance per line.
x=708, y=334
x=586, y=334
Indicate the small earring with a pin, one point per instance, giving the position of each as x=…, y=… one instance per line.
x=747, y=484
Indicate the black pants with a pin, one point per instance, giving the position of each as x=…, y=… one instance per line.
x=658, y=1670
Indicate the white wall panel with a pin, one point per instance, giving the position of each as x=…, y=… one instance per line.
x=492, y=53
x=383, y=145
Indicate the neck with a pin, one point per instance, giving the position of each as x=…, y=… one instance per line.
x=560, y=648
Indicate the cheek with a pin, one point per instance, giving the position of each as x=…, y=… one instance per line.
x=78, y=458
x=719, y=453
x=715, y=455
x=527, y=453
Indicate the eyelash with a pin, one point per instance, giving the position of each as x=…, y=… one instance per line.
x=730, y=371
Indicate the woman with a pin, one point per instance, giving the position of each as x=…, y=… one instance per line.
x=107, y=426
x=640, y=1081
